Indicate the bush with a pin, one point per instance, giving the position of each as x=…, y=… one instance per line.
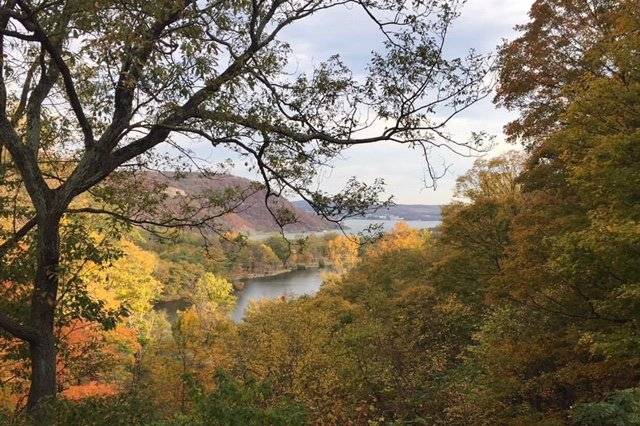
x=234, y=403
x=621, y=408
x=113, y=411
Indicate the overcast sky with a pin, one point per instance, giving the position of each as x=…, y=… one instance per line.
x=482, y=26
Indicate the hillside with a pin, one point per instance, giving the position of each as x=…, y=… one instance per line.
x=252, y=215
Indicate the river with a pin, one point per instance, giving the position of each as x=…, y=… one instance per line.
x=355, y=226
x=351, y=227
x=307, y=281
x=289, y=284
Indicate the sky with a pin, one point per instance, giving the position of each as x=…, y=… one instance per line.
x=482, y=25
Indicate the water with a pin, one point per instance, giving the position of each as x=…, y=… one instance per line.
x=308, y=281
x=356, y=226
x=290, y=284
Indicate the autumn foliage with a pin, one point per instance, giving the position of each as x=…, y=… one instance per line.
x=521, y=308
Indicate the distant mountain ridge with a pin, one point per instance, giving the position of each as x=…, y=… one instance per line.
x=252, y=215
x=427, y=212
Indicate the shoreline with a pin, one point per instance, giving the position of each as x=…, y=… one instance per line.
x=172, y=306
x=240, y=282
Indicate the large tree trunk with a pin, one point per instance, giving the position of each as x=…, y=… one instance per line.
x=43, y=306
x=43, y=371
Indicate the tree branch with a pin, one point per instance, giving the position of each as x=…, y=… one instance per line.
x=130, y=74
x=17, y=236
x=53, y=50
x=18, y=330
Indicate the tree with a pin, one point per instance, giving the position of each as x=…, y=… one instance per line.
x=91, y=88
x=476, y=230
x=214, y=291
x=374, y=345
x=559, y=341
x=194, y=348
x=90, y=359
x=343, y=252
x=281, y=247
x=247, y=403
x=559, y=45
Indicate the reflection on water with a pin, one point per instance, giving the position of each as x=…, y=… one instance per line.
x=291, y=284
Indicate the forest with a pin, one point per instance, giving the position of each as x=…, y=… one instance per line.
x=521, y=308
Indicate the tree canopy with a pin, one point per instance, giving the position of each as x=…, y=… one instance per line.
x=522, y=307
x=89, y=90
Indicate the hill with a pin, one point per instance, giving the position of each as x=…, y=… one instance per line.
x=251, y=215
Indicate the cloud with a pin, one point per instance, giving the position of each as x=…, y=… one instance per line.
x=482, y=26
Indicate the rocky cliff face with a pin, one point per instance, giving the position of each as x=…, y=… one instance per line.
x=251, y=215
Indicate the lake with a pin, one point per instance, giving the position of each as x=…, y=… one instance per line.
x=306, y=281
x=290, y=284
